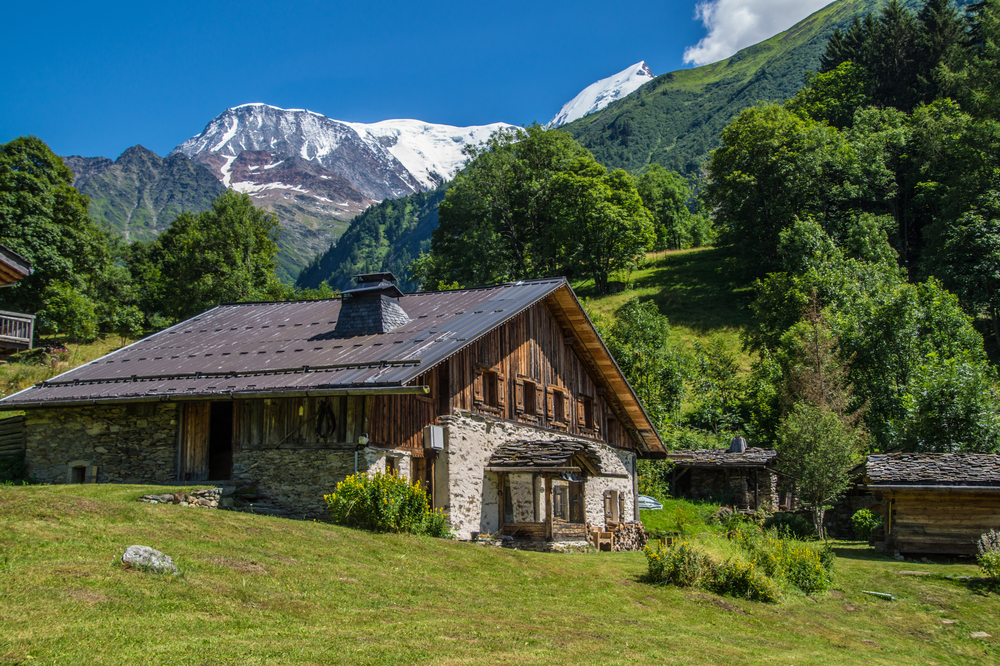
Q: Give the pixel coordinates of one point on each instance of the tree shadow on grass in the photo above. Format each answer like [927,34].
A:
[696,291]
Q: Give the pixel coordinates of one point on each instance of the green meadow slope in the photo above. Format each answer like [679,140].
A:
[263,590]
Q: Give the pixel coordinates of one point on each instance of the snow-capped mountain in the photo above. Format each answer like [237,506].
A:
[383,160]
[598,95]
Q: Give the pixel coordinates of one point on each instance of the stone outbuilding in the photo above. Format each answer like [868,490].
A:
[502,401]
[743,478]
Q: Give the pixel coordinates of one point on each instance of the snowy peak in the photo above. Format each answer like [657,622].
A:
[598,95]
[383,160]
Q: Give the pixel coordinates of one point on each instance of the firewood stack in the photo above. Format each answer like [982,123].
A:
[628,537]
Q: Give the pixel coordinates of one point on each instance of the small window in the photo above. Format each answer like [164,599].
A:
[80,474]
[558,407]
[588,413]
[390,466]
[490,389]
[529,398]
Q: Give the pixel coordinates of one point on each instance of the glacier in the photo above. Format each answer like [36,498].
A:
[598,95]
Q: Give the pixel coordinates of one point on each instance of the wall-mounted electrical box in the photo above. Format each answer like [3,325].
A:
[434,437]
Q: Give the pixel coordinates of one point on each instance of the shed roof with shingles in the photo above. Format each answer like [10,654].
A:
[933,469]
[722,458]
[268,349]
[542,454]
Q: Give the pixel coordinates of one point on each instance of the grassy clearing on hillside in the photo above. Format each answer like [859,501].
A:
[262,590]
[693,290]
[15,377]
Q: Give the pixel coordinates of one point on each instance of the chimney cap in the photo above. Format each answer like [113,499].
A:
[364,278]
[368,283]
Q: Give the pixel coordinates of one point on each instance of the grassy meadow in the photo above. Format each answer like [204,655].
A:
[263,590]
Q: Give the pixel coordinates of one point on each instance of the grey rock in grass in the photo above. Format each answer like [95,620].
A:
[150,559]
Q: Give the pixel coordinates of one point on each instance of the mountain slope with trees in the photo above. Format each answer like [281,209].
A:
[140,193]
[676,119]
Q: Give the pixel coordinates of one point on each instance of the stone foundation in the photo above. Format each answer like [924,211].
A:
[292,482]
[126,444]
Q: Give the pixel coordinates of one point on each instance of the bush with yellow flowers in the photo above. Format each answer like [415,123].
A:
[385,503]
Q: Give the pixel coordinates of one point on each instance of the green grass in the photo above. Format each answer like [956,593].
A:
[260,590]
[15,377]
[694,291]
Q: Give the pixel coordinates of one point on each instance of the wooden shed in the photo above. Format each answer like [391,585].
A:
[934,503]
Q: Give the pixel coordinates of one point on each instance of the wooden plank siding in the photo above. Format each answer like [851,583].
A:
[942,522]
[489,377]
[292,422]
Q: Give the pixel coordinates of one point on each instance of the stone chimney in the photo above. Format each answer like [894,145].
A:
[372,307]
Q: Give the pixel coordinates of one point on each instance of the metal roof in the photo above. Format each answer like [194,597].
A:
[248,350]
[288,346]
[933,469]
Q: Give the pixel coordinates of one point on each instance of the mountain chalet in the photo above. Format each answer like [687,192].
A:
[502,401]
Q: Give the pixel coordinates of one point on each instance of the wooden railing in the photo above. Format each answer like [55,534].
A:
[16,330]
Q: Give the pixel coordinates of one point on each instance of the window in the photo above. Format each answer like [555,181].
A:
[558,406]
[528,397]
[585,412]
[488,389]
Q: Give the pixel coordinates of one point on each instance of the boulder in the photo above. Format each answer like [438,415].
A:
[149,559]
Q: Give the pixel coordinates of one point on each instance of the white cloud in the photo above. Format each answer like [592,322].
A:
[735,24]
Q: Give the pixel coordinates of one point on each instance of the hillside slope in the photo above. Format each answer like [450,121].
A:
[676,119]
[261,590]
[140,193]
[386,237]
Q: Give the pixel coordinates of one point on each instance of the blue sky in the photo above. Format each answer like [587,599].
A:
[93,79]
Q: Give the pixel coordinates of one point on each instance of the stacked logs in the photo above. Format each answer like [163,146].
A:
[628,537]
[11,436]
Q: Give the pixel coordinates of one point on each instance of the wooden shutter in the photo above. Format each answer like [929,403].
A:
[581,414]
[501,390]
[519,396]
[566,406]
[477,389]
[550,403]
[540,400]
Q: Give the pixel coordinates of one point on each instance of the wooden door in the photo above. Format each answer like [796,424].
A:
[194,442]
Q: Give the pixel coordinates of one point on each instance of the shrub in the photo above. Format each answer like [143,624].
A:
[683,565]
[989,555]
[384,503]
[865,522]
[791,525]
[793,561]
[738,578]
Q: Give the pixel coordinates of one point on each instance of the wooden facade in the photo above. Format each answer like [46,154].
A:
[940,521]
[528,370]
[934,503]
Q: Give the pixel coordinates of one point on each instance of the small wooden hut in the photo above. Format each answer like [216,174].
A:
[935,503]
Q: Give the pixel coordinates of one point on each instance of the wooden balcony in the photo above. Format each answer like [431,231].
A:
[16,331]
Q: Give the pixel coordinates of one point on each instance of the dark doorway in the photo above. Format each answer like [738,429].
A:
[220,442]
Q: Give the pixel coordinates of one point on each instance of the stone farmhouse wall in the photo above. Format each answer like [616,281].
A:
[125,445]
